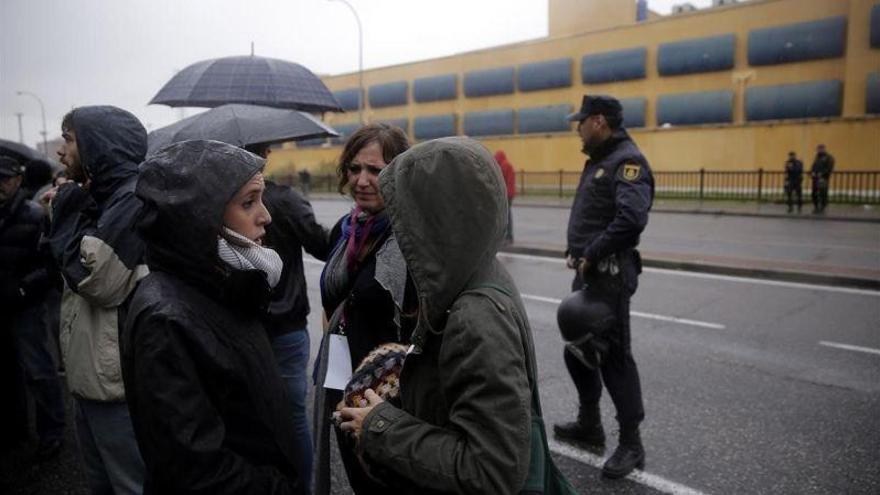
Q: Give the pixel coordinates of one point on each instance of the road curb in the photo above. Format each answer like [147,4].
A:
[692,266]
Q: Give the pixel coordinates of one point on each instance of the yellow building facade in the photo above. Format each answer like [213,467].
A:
[711,72]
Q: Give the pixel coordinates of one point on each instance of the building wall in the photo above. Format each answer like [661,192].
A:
[736,145]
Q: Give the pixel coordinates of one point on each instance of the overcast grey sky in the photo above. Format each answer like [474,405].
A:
[120,52]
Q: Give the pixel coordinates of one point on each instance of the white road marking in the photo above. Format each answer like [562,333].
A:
[712,276]
[758,281]
[849,347]
[683,321]
[313,261]
[650,480]
[649,316]
[532,257]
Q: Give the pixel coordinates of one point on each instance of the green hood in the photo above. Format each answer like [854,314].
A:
[448,207]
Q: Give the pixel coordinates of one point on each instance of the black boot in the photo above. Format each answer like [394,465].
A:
[629,455]
[586,432]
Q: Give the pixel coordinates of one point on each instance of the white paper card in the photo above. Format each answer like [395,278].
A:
[338,363]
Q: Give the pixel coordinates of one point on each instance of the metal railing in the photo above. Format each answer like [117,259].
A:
[757,185]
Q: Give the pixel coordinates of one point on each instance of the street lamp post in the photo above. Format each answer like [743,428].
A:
[361,96]
[43,115]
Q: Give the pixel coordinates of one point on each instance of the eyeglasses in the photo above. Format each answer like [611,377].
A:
[357,168]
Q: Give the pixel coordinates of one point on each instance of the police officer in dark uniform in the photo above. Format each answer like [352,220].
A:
[794,174]
[820,172]
[610,210]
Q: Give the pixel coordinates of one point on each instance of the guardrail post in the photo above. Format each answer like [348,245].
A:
[760,182]
[702,182]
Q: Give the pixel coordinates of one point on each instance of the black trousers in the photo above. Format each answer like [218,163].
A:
[790,193]
[820,194]
[618,372]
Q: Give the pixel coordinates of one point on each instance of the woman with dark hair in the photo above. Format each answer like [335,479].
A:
[209,408]
[362,287]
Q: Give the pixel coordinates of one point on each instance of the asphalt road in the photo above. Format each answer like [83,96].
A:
[750,386]
[741,394]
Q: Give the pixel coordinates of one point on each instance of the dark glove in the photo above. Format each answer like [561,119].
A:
[70,198]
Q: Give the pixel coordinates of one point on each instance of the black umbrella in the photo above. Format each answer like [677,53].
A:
[18,151]
[248,79]
[242,125]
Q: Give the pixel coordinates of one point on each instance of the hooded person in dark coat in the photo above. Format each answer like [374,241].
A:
[464,420]
[211,412]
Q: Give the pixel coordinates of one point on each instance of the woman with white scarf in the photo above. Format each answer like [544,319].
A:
[210,410]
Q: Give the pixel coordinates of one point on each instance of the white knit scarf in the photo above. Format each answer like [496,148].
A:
[245,254]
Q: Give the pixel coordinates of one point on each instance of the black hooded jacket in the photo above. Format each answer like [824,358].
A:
[209,407]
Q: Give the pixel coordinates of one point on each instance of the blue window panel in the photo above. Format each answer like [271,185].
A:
[344,131]
[872,93]
[825,38]
[388,94]
[544,75]
[709,107]
[348,98]
[544,119]
[490,123]
[402,123]
[875,26]
[619,65]
[634,112]
[435,88]
[696,55]
[488,82]
[434,126]
[794,101]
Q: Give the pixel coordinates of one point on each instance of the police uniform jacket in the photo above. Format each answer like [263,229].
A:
[794,172]
[613,199]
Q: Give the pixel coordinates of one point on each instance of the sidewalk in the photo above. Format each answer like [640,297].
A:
[797,272]
[805,270]
[838,212]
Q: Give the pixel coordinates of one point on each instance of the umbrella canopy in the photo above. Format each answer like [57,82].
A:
[241,125]
[18,151]
[248,79]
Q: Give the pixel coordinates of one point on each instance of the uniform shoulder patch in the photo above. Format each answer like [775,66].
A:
[631,171]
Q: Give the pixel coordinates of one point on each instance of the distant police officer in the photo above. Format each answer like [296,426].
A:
[794,174]
[820,172]
[610,210]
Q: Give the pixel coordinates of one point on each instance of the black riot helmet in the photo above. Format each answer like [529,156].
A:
[585,320]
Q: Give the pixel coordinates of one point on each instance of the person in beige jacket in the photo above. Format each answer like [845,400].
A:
[94,243]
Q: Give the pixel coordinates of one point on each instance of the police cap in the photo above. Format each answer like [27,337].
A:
[10,167]
[605,105]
